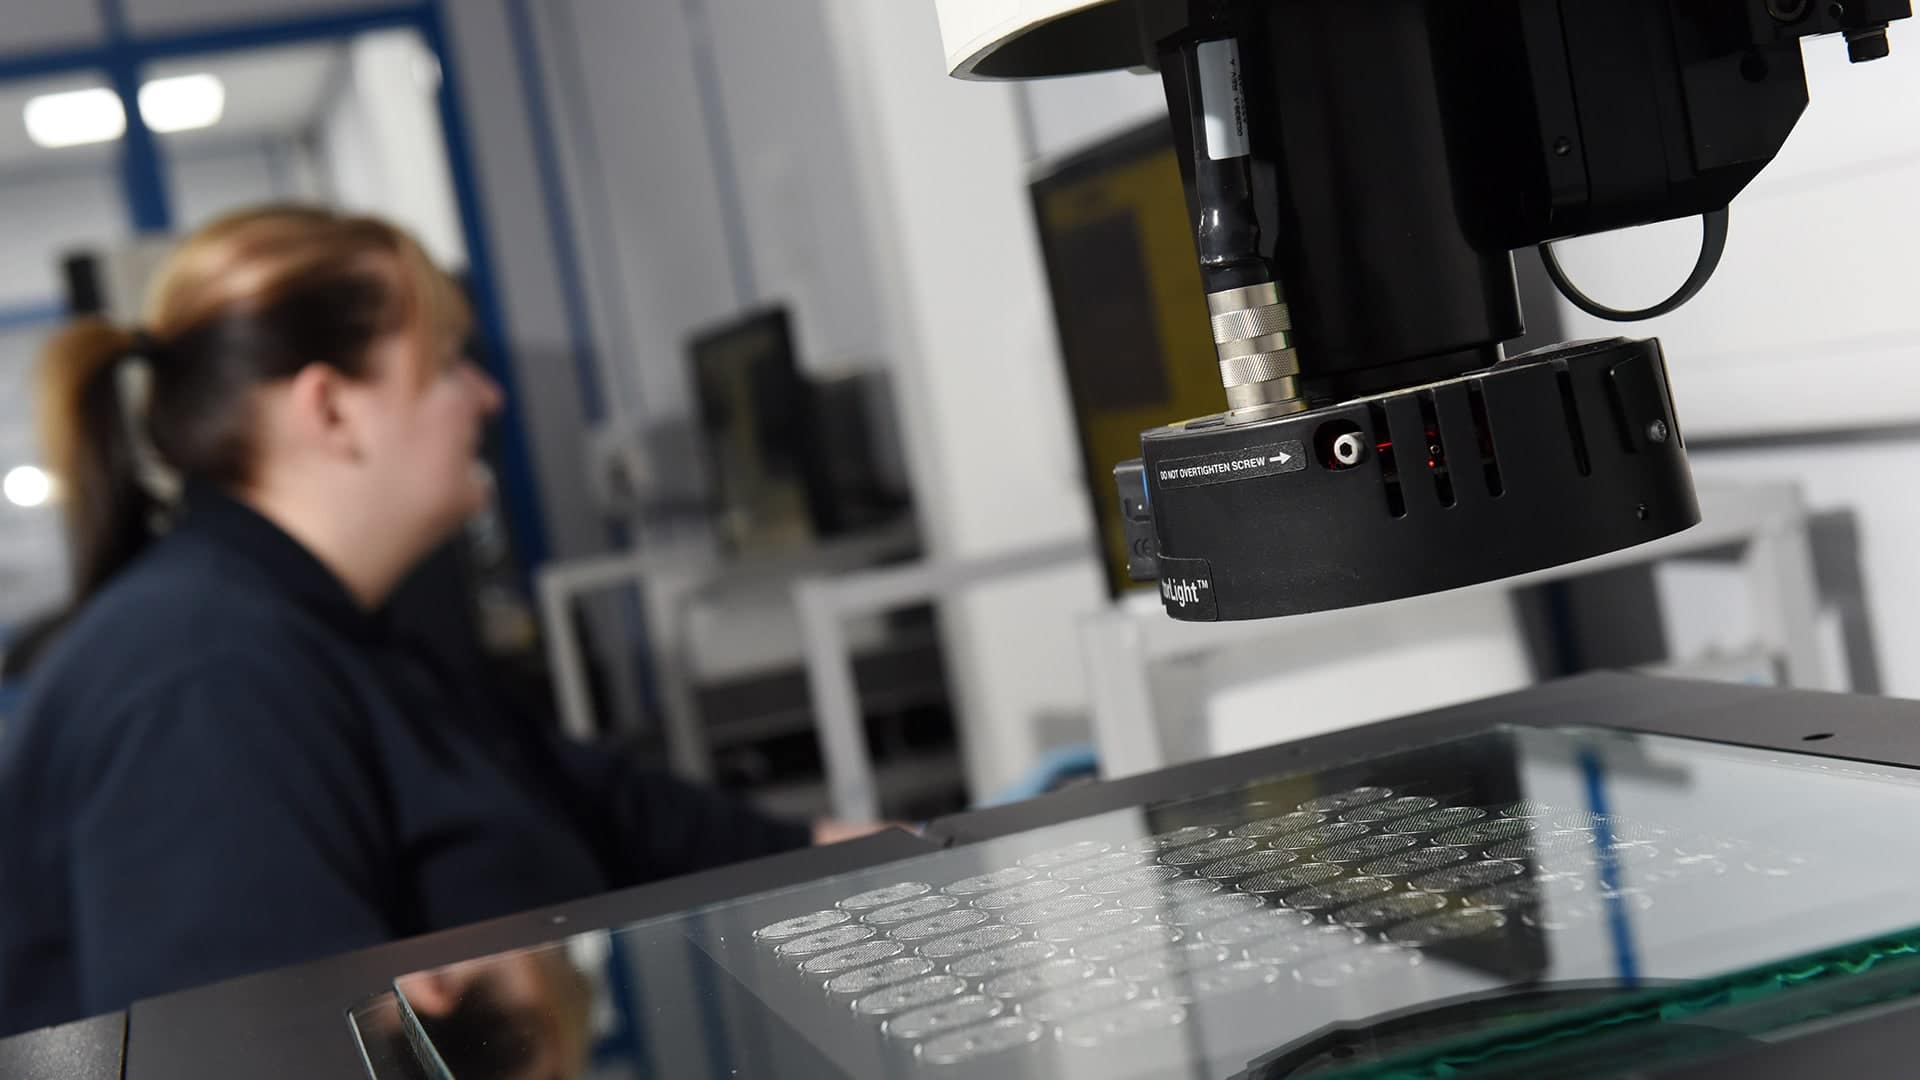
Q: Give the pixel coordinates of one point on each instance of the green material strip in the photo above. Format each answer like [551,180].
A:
[1821,978]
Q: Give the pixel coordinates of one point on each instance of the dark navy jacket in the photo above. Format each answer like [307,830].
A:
[226,765]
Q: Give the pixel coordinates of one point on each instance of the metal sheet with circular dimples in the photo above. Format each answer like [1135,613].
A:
[964,1011]
[991,962]
[1173,892]
[1401,807]
[1414,861]
[1338,894]
[1094,924]
[1432,821]
[881,897]
[853,956]
[1317,941]
[1065,906]
[1091,996]
[1142,938]
[1320,836]
[1387,910]
[1356,965]
[1160,963]
[1765,862]
[872,977]
[1558,845]
[1632,855]
[867,979]
[1054,858]
[992,881]
[1040,978]
[1678,867]
[1507,897]
[1173,838]
[833,937]
[977,939]
[1210,851]
[811,923]
[1714,846]
[933,926]
[1366,848]
[1621,832]
[1243,930]
[1347,800]
[1142,1016]
[900,997]
[1279,882]
[1529,809]
[1484,832]
[985,1040]
[1512,850]
[1237,977]
[1468,876]
[1253,862]
[1586,907]
[1211,910]
[909,910]
[1140,877]
[1029,892]
[1280,824]
[1099,866]
[1446,926]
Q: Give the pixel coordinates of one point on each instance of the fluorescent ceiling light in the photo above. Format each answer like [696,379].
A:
[183,102]
[75,118]
[26,485]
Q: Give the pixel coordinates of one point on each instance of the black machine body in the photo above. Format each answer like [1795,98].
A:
[1542,459]
[1360,172]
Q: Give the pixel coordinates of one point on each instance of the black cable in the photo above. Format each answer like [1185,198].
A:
[1713,243]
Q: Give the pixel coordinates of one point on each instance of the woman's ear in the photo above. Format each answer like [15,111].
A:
[318,413]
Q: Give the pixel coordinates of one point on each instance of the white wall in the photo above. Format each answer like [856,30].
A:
[381,147]
[1068,114]
[629,119]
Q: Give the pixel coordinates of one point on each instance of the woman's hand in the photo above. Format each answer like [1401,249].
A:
[830,831]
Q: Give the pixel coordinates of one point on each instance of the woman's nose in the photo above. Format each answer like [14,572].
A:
[492,398]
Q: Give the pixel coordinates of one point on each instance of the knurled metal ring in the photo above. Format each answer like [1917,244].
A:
[1261,367]
[1251,323]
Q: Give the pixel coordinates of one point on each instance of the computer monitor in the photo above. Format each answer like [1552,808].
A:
[1132,319]
[793,458]
[757,425]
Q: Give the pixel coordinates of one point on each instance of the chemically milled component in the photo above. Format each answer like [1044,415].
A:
[1259,367]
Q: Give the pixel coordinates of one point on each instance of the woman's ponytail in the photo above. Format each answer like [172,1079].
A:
[89,446]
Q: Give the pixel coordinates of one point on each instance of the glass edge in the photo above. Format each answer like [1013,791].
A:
[353,1013]
[417,1038]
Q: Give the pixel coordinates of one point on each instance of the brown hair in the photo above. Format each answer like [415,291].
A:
[248,299]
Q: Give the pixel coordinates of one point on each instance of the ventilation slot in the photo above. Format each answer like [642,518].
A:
[1574,431]
[1483,433]
[1436,450]
[1389,472]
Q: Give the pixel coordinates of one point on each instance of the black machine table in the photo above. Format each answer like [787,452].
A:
[1605,874]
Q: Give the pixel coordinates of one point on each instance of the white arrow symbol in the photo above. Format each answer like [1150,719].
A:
[1285,457]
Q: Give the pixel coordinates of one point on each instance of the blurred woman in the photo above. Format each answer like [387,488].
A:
[228,760]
